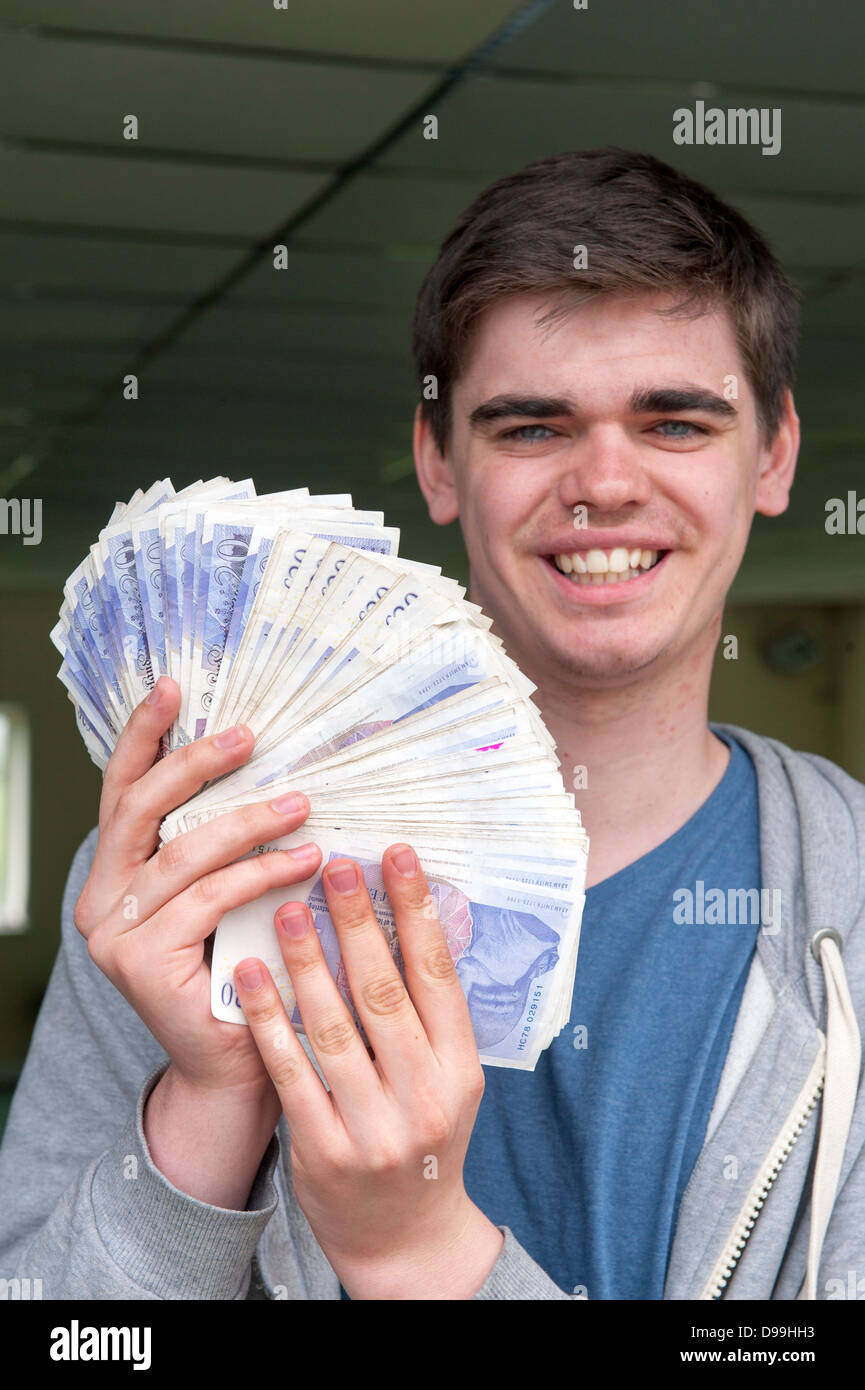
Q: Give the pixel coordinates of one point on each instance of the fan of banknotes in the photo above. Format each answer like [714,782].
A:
[372,685]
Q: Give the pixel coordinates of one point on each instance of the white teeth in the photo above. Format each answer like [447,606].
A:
[615,566]
[618,561]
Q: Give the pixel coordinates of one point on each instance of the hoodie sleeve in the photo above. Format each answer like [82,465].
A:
[85,1211]
[515,1275]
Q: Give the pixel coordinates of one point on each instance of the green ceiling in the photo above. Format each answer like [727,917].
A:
[304,125]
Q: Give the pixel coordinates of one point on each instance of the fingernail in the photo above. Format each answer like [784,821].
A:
[251,976]
[231,738]
[344,879]
[405,860]
[293,919]
[156,694]
[287,805]
[304,854]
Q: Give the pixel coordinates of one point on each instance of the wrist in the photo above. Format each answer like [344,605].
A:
[450,1262]
[258,1098]
[208,1144]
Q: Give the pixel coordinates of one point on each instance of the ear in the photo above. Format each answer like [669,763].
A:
[778,463]
[434,473]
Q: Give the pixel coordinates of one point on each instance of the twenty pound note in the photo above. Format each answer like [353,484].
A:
[513,945]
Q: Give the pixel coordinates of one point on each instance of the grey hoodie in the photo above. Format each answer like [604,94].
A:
[75,1216]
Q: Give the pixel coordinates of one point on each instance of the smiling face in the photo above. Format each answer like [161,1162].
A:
[613,431]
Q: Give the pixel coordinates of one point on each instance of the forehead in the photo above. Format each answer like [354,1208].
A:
[600,348]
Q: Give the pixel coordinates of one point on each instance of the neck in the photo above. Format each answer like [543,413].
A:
[649,756]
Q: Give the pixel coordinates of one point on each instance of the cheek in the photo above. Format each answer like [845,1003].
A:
[494,504]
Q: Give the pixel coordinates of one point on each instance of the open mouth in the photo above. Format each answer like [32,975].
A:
[596,567]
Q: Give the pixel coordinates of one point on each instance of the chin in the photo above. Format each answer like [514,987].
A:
[596,653]
[603,667]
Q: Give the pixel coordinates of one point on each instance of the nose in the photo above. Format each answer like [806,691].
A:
[603,472]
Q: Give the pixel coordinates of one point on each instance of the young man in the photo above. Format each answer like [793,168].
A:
[612,350]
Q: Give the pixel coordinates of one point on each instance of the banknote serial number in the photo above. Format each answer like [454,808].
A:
[530,1018]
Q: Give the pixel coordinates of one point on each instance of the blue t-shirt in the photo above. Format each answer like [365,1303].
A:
[587,1157]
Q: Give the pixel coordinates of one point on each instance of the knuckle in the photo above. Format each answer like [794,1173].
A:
[95,947]
[476,1084]
[387,1156]
[128,957]
[431,1120]
[252,817]
[436,1124]
[206,891]
[188,756]
[172,856]
[259,1009]
[306,962]
[285,1070]
[334,1037]
[384,994]
[437,965]
[356,917]
[83,915]
[340,1162]
[417,897]
[131,804]
[269,865]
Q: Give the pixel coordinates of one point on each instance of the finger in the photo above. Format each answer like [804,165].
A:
[384,1007]
[188,857]
[131,833]
[332,1032]
[306,1104]
[430,974]
[138,745]
[190,917]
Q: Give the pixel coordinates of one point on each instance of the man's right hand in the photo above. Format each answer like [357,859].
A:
[146,912]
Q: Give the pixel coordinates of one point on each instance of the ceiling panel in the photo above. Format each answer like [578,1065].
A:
[382,210]
[70,321]
[493,126]
[91,263]
[288,374]
[55,89]
[320,277]
[791,46]
[840,311]
[808,233]
[388,29]
[130,192]
[324,332]
[305,374]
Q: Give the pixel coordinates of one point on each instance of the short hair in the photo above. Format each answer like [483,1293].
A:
[645,226]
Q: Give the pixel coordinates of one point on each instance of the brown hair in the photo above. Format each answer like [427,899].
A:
[645,227]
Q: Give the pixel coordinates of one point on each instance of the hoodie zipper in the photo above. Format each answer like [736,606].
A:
[766,1177]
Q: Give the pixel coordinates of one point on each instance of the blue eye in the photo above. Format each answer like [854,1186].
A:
[527,433]
[683,428]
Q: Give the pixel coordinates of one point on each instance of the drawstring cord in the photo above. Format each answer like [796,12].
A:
[843,1059]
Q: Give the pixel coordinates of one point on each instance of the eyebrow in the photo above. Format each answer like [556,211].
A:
[499,407]
[655,400]
[644,401]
